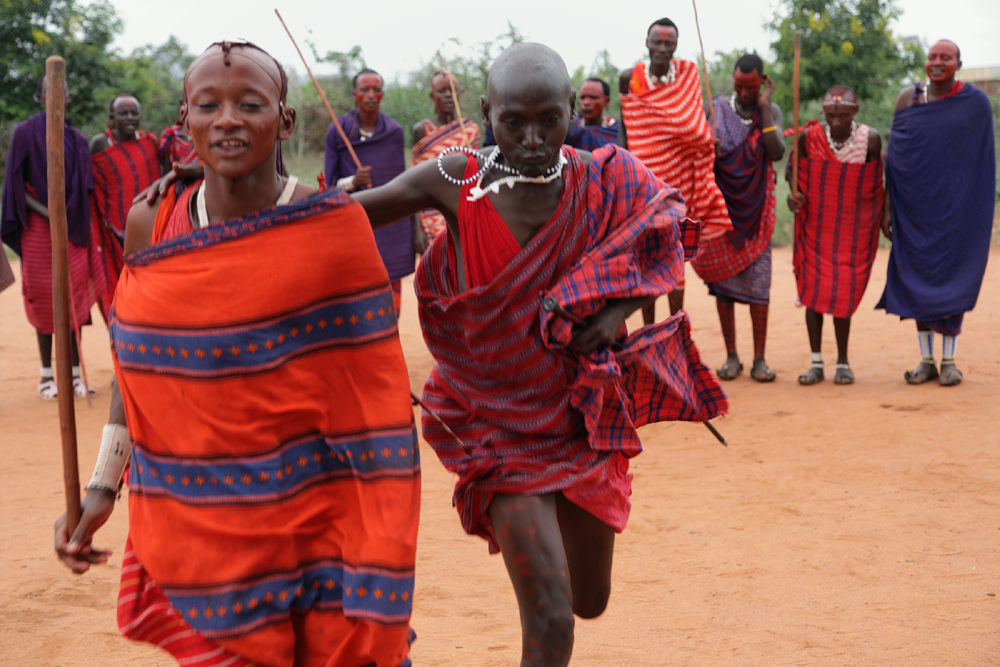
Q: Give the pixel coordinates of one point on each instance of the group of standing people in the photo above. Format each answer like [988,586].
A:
[103,176]
[274,470]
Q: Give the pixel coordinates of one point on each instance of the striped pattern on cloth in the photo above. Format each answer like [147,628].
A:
[121,171]
[668,131]
[837,228]
[6,274]
[746,178]
[535,416]
[437,140]
[274,487]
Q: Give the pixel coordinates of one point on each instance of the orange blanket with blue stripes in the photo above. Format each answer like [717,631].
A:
[274,487]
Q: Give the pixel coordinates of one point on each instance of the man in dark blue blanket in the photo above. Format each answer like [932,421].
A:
[940,177]
[592,129]
[378,142]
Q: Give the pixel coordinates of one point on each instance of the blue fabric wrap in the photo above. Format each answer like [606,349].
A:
[940,176]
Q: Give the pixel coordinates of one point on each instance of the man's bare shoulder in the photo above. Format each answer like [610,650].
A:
[624,80]
[99,142]
[302,191]
[139,225]
[905,98]
[874,144]
[419,130]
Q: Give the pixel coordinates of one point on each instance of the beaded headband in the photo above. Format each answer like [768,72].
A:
[833,100]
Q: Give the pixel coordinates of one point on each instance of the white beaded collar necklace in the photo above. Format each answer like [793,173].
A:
[667,79]
[732,105]
[836,146]
[477,192]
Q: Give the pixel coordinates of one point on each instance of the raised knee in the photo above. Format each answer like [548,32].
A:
[593,603]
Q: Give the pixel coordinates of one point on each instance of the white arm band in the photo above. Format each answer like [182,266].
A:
[112,459]
[346,183]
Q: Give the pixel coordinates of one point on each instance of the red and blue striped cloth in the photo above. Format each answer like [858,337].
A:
[274,488]
[534,416]
[836,228]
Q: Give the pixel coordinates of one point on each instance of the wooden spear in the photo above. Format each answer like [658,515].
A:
[55,126]
[704,67]
[795,114]
[454,96]
[322,95]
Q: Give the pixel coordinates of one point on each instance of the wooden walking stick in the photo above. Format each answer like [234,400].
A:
[322,95]
[55,126]
[704,67]
[454,96]
[795,114]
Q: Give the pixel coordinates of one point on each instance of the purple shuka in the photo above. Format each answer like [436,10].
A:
[383,152]
[27,163]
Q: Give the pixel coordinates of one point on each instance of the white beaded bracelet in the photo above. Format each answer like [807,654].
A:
[112,459]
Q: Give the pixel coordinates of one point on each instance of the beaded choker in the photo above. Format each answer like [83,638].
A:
[666,79]
[477,192]
[732,105]
[838,145]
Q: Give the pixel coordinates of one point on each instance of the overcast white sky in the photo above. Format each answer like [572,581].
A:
[397,36]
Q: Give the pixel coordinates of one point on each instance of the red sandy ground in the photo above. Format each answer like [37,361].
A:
[842,526]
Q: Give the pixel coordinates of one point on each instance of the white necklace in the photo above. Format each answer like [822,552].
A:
[477,192]
[667,79]
[838,145]
[283,198]
[732,105]
[491,163]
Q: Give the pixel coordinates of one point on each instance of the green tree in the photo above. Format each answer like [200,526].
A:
[154,75]
[848,42]
[33,30]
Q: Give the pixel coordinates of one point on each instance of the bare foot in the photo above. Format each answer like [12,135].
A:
[812,376]
[844,375]
[925,372]
[950,375]
[760,372]
[731,369]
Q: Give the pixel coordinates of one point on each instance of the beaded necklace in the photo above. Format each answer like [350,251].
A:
[477,192]
[732,105]
[666,79]
[836,146]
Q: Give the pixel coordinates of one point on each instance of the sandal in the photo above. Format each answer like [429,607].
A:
[760,372]
[82,390]
[844,374]
[925,372]
[950,375]
[813,376]
[48,389]
[730,370]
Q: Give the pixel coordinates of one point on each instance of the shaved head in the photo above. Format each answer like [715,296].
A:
[250,52]
[528,64]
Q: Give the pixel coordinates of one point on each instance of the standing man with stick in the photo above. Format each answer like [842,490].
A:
[377,141]
[431,137]
[737,264]
[664,125]
[25,227]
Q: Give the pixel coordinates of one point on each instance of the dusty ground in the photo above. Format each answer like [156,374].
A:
[842,526]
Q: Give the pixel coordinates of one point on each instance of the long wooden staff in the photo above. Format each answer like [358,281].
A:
[454,96]
[322,95]
[55,125]
[704,67]
[795,114]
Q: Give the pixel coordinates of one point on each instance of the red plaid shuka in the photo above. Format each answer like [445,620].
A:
[836,229]
[436,140]
[535,416]
[121,171]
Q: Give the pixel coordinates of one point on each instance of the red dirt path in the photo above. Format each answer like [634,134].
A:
[843,525]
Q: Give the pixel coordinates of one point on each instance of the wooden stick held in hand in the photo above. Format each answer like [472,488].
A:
[795,114]
[55,127]
[322,95]
[704,67]
[454,96]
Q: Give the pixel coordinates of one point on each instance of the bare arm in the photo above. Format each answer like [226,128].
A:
[413,190]
[36,206]
[624,80]
[795,199]
[98,143]
[874,146]
[774,141]
[418,132]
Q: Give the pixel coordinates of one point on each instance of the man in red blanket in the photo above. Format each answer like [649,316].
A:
[274,485]
[836,223]
[126,162]
[664,125]
[431,137]
[737,264]
[523,304]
